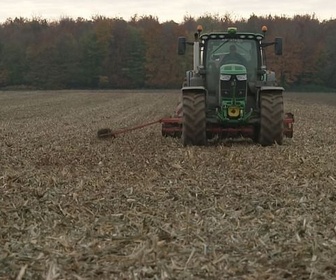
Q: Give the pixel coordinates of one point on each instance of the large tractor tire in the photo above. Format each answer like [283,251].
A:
[271,119]
[194,119]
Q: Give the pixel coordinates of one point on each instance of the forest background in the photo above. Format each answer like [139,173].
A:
[111,53]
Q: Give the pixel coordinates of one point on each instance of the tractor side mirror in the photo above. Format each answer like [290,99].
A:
[182,45]
[278,46]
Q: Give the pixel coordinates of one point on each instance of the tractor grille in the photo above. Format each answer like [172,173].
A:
[232,88]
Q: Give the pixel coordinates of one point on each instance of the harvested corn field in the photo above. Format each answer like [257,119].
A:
[142,206]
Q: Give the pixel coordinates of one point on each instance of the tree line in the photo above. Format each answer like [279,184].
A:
[142,52]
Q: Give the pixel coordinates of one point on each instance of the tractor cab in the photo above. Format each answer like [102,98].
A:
[232,62]
[212,50]
[229,59]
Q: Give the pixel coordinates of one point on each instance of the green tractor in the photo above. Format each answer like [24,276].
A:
[230,93]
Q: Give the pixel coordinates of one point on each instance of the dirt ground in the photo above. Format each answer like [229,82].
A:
[142,206]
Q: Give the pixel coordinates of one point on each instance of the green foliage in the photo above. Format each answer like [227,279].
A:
[136,58]
[141,53]
[327,58]
[13,63]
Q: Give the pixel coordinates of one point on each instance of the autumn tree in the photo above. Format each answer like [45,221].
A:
[142,53]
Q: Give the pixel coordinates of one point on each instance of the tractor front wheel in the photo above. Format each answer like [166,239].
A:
[271,119]
[194,119]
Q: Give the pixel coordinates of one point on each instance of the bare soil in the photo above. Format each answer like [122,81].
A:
[142,206]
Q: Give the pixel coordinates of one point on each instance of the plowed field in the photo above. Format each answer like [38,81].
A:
[142,206]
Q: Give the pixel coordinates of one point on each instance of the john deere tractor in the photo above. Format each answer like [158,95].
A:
[230,93]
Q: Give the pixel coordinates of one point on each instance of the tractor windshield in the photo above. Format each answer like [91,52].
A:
[245,51]
[218,52]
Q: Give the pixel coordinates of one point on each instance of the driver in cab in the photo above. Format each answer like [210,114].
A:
[233,57]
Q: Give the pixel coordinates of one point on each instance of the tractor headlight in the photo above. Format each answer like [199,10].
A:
[242,77]
[225,77]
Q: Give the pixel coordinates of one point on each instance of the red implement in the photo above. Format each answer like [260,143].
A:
[173,127]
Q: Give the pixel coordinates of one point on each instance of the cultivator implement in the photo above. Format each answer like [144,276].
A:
[172,127]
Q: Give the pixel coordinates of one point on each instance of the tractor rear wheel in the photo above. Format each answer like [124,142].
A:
[271,119]
[194,119]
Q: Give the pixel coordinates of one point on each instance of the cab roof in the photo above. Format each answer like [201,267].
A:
[230,35]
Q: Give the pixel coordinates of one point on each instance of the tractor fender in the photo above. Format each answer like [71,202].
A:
[271,89]
[195,89]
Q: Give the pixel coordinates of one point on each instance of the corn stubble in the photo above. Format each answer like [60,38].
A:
[141,206]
